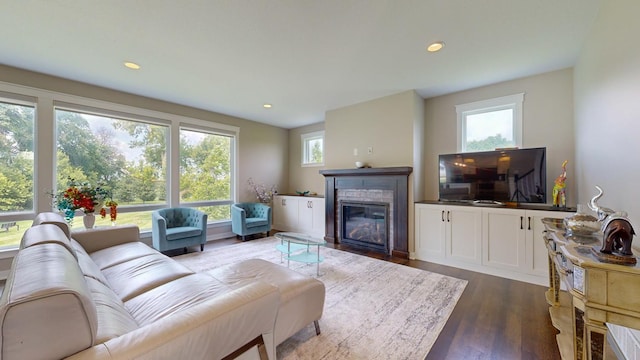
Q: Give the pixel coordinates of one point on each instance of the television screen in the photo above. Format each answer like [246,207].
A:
[514,175]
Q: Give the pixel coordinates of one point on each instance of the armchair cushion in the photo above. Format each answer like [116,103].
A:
[176,233]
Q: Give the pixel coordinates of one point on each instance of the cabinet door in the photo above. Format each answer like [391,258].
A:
[464,234]
[285,213]
[537,253]
[305,215]
[430,232]
[317,205]
[504,239]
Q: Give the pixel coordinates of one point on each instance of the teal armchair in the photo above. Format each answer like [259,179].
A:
[250,218]
[176,228]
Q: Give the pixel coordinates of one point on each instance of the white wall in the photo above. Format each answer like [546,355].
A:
[303,178]
[607,103]
[547,122]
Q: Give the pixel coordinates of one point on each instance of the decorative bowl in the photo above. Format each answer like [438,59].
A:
[302,193]
[581,224]
[359,164]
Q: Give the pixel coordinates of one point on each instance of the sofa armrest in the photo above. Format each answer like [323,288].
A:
[102,238]
[210,330]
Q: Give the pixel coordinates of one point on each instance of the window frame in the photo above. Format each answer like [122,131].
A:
[232,156]
[305,139]
[45,141]
[513,102]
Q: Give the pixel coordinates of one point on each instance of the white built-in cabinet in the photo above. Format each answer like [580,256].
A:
[448,232]
[299,214]
[498,241]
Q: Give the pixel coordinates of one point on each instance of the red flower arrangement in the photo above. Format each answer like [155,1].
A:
[86,197]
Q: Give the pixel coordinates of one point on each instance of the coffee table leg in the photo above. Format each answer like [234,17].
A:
[318,265]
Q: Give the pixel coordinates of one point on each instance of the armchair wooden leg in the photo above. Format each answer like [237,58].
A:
[317,325]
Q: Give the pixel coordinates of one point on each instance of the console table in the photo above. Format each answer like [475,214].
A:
[597,293]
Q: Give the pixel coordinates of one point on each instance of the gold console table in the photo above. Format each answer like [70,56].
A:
[597,293]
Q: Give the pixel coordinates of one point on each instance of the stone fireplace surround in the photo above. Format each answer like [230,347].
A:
[391,183]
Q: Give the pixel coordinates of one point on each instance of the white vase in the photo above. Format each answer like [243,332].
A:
[89,220]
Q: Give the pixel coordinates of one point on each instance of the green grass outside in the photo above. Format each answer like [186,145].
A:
[12,237]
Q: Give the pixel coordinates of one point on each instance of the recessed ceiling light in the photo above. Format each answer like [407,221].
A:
[436,46]
[267,106]
[132,65]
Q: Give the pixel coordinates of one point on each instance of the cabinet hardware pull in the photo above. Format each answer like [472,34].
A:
[442,215]
[284,202]
[529,226]
[309,204]
[448,218]
[521,224]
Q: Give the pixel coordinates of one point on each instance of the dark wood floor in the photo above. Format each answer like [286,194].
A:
[495,318]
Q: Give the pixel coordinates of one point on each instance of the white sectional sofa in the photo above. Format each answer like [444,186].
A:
[103,294]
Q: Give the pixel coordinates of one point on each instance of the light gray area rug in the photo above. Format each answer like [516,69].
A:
[373,309]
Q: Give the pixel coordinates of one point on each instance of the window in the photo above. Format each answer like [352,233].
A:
[126,157]
[145,159]
[206,172]
[17,119]
[313,149]
[490,124]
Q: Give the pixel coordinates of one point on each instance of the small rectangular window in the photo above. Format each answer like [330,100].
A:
[313,149]
[490,124]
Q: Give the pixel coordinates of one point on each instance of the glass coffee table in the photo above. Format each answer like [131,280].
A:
[300,248]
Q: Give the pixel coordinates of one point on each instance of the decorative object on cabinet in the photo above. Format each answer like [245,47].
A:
[264,194]
[302,193]
[581,224]
[560,187]
[602,212]
[616,242]
[617,234]
[359,164]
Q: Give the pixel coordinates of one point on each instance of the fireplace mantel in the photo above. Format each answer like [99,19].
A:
[395,179]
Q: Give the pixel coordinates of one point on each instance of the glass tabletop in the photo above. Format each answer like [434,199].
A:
[298,238]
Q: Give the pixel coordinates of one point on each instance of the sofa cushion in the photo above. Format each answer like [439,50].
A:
[54,219]
[46,310]
[113,318]
[136,276]
[255,222]
[179,233]
[121,253]
[87,265]
[174,297]
[45,234]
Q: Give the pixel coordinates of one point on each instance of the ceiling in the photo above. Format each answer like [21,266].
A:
[303,56]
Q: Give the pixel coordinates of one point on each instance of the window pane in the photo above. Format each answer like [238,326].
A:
[312,149]
[140,218]
[126,157]
[205,166]
[16,158]
[489,130]
[217,212]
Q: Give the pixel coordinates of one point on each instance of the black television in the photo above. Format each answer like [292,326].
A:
[510,175]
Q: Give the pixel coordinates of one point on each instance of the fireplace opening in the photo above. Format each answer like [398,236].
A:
[366,225]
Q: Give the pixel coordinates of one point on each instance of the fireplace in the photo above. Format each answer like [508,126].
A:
[365,225]
[382,188]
